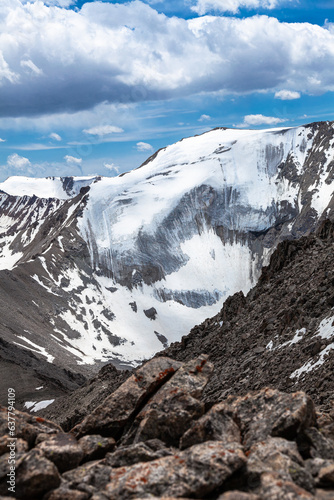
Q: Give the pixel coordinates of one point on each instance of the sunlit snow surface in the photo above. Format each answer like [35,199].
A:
[49,187]
[34,406]
[325,331]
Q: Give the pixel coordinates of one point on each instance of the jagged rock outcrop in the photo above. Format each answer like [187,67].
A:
[263,446]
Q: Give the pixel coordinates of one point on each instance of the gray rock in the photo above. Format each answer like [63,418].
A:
[140,452]
[320,446]
[195,472]
[110,417]
[27,427]
[94,474]
[326,476]
[273,488]
[238,495]
[36,475]
[21,446]
[64,493]
[216,425]
[272,413]
[174,406]
[95,446]
[281,457]
[63,450]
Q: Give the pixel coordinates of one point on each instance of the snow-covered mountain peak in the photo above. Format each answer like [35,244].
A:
[135,261]
[61,188]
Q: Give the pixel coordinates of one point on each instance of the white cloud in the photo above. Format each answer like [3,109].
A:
[2,140]
[261,120]
[130,53]
[112,167]
[204,6]
[204,118]
[103,130]
[144,146]
[17,162]
[31,66]
[287,95]
[72,160]
[55,136]
[55,3]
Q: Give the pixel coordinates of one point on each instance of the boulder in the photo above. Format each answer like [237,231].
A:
[64,493]
[194,472]
[238,495]
[91,474]
[27,427]
[110,418]
[174,406]
[273,488]
[95,446]
[21,446]
[35,476]
[63,450]
[216,425]
[281,457]
[326,476]
[140,452]
[319,445]
[270,412]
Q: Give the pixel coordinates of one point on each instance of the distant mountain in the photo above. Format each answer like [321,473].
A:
[113,269]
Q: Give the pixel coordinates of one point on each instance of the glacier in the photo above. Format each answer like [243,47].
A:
[132,263]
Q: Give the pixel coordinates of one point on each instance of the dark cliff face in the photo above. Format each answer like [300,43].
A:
[282,333]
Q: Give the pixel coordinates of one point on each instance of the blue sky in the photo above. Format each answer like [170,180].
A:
[97,87]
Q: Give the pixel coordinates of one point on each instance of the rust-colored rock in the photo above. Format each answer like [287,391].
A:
[175,406]
[27,427]
[115,412]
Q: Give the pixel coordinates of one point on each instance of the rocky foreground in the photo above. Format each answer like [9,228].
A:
[154,437]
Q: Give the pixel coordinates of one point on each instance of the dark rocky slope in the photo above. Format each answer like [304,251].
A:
[154,438]
[253,341]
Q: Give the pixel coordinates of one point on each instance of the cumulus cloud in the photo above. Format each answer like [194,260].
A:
[204,6]
[55,3]
[130,53]
[112,167]
[144,146]
[17,162]
[204,118]
[103,130]
[54,136]
[261,120]
[287,95]
[72,160]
